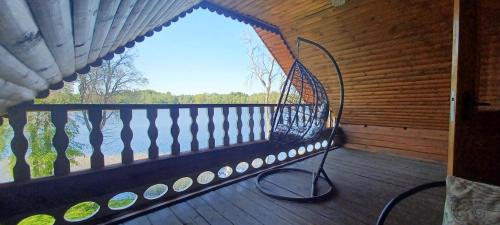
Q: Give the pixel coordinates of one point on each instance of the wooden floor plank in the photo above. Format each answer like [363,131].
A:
[187,215]
[138,221]
[258,212]
[364,183]
[209,213]
[228,210]
[163,216]
[291,216]
[298,208]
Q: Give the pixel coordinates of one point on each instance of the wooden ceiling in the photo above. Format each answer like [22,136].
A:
[395,55]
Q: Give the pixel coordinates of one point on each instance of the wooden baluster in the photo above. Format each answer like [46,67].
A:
[263,110]
[96,138]
[303,114]
[60,141]
[251,136]
[211,128]
[152,114]
[271,120]
[127,135]
[296,114]
[19,145]
[239,125]
[280,117]
[194,129]
[289,119]
[225,125]
[175,130]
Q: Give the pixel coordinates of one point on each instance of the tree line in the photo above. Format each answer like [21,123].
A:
[154,97]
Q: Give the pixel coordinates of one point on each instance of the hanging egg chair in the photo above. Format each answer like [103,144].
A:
[300,117]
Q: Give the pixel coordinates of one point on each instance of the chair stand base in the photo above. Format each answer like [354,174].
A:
[313,195]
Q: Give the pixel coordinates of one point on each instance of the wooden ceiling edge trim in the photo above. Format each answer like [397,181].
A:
[240,17]
[285,44]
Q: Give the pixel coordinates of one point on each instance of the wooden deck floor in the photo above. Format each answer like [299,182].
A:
[364,183]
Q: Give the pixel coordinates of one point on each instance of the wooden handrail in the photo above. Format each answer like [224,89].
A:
[74,107]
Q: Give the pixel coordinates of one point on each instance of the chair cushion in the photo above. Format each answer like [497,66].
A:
[471,203]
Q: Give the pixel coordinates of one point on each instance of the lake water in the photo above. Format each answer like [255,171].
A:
[112,144]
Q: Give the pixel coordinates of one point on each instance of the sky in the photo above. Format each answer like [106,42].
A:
[201,53]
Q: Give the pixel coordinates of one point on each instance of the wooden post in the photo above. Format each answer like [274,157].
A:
[473,133]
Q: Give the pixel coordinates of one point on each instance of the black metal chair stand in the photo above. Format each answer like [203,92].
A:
[391,204]
[301,117]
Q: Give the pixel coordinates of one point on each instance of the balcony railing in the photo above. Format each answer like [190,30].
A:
[108,192]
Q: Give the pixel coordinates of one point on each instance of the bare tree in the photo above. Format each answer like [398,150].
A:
[103,84]
[263,67]
[265,70]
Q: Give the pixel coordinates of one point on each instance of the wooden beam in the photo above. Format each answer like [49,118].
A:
[474,134]
[105,16]
[464,65]
[84,17]
[121,16]
[53,17]
[21,36]
[16,72]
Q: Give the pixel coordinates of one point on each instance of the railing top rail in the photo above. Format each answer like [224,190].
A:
[48,107]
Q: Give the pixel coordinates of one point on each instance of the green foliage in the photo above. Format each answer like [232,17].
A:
[62,96]
[120,203]
[40,219]
[81,211]
[39,132]
[6,135]
[154,97]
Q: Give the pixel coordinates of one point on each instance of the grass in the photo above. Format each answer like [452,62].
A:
[41,219]
[120,203]
[81,211]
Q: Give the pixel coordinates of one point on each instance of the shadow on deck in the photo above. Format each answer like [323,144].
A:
[364,183]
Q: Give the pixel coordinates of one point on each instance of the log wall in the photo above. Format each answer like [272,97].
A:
[395,57]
